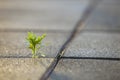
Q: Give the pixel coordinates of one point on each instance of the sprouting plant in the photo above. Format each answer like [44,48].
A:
[35,43]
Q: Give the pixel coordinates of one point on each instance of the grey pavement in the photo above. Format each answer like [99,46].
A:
[106,17]
[23,68]
[57,18]
[94,44]
[41,14]
[99,39]
[73,69]
[14,44]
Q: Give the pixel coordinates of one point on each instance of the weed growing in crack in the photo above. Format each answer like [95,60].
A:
[35,43]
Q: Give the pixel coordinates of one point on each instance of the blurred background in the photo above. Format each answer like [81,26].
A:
[40,14]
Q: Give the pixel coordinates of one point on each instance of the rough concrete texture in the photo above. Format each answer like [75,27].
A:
[95,45]
[23,68]
[100,38]
[41,14]
[106,16]
[14,44]
[86,70]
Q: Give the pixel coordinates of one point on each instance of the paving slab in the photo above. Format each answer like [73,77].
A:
[69,69]
[23,68]
[41,14]
[106,16]
[13,44]
[95,45]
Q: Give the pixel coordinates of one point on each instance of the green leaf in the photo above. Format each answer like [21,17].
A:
[38,40]
[43,36]
[30,46]
[34,42]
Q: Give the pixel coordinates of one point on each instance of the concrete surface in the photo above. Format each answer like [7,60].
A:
[70,69]
[23,68]
[57,18]
[14,44]
[41,14]
[106,17]
[95,45]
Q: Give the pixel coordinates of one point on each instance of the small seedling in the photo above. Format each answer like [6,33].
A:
[35,43]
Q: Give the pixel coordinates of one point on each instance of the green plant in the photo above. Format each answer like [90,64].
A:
[35,43]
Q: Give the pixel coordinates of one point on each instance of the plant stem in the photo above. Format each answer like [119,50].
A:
[34,52]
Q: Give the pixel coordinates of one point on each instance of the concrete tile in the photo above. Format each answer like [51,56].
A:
[23,68]
[95,45]
[86,70]
[14,44]
[41,14]
[106,16]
